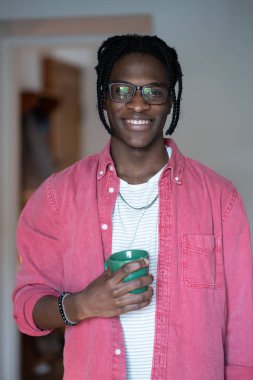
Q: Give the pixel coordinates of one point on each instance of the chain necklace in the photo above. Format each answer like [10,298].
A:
[138,208]
[143,209]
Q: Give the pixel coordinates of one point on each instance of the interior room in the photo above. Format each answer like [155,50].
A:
[48,114]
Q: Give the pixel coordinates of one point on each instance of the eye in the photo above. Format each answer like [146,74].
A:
[153,91]
[122,92]
[155,94]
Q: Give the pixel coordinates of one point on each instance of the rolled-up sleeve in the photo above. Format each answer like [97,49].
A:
[239,287]
[41,268]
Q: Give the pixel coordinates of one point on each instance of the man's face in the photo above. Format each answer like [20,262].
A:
[138,124]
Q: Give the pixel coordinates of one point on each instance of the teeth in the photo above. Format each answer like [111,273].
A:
[138,121]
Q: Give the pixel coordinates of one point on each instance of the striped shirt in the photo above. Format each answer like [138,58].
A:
[138,229]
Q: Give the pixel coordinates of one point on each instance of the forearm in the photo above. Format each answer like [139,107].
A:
[107,296]
[46,314]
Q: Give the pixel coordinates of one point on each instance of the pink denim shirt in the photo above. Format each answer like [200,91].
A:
[204,316]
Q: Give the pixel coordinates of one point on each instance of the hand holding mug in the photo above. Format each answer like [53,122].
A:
[119,259]
[117,292]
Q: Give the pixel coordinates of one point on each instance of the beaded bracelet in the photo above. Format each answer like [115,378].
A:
[62,310]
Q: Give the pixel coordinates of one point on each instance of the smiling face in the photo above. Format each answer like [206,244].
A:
[137,124]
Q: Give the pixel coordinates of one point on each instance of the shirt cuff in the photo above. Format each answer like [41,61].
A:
[26,324]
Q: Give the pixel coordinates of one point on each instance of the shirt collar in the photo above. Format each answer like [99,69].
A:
[175,163]
[105,161]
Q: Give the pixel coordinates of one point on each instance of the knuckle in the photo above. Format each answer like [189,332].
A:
[131,267]
[124,310]
[118,303]
[150,291]
[151,278]
[109,286]
[132,307]
[136,306]
[115,293]
[125,268]
[139,282]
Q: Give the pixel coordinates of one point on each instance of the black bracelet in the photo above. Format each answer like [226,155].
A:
[62,310]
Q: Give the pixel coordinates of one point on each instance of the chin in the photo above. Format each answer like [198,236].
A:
[137,140]
[138,143]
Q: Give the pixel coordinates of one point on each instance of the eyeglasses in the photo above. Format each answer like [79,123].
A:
[124,93]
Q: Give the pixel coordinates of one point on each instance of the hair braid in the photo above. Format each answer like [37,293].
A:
[176,103]
[115,47]
[175,77]
[173,117]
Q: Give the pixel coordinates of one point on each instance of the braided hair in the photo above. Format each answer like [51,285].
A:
[115,47]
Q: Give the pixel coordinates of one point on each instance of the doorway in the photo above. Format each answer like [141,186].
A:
[18,35]
[50,136]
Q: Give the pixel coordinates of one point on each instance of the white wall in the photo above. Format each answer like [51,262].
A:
[9,189]
[213,40]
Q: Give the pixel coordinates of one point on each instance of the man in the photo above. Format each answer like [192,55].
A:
[195,321]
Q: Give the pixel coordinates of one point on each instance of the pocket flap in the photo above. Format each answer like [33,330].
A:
[204,243]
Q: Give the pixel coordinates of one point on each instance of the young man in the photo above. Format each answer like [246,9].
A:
[195,321]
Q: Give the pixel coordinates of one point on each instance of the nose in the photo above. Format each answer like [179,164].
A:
[138,104]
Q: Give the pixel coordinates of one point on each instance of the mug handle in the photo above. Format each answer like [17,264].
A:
[106,265]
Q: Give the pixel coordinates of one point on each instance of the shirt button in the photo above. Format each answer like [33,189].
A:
[118,351]
[101,172]
[111,190]
[111,168]
[176,178]
[104,226]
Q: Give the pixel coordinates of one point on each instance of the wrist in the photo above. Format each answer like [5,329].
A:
[76,308]
[65,305]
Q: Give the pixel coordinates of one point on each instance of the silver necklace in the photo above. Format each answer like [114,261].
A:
[138,208]
[143,209]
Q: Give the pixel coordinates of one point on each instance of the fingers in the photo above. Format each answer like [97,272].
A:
[109,296]
[104,298]
[125,287]
[132,302]
[133,266]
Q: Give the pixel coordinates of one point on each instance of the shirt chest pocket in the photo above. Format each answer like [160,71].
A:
[202,261]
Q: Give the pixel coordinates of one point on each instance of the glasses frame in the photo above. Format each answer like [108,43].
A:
[137,88]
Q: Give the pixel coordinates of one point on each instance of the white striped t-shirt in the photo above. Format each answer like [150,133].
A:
[138,229]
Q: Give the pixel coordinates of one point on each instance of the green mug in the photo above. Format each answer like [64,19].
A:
[118,259]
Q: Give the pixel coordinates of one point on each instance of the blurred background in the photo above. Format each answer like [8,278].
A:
[48,115]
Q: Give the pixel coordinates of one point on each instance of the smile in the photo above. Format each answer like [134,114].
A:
[138,122]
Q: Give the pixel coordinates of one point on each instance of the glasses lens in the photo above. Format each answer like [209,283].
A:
[121,92]
[155,94]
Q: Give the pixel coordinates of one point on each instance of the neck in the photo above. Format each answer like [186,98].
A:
[137,166]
